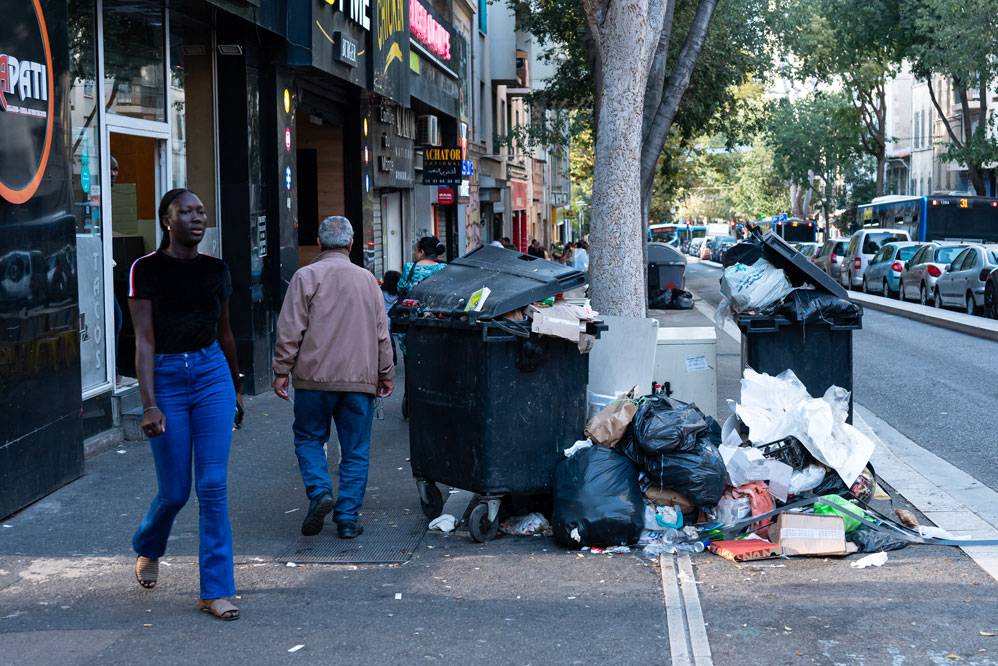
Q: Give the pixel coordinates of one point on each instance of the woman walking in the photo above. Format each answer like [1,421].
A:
[189,383]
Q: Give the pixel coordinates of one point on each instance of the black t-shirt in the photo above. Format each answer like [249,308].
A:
[186,297]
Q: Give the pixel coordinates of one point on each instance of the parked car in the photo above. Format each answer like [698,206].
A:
[883,275]
[991,295]
[726,244]
[809,250]
[695,246]
[918,279]
[962,285]
[831,255]
[705,247]
[862,246]
[716,245]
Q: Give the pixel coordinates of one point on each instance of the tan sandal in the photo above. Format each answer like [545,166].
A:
[146,572]
[223,609]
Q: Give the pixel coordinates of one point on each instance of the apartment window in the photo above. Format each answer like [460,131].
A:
[914,131]
[928,186]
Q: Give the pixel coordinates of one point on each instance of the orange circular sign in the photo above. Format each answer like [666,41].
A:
[27,102]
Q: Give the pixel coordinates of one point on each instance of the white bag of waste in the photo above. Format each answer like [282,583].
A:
[754,287]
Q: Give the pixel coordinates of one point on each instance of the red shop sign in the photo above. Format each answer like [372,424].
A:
[445,196]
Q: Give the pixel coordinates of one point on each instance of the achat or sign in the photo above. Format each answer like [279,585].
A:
[27,109]
[442,166]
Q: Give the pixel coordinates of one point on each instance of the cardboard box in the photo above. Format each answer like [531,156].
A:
[809,534]
[745,550]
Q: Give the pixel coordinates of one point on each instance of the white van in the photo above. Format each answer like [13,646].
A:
[862,246]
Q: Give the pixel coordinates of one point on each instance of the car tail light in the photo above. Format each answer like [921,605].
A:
[933,271]
[897,266]
[858,264]
[984,274]
[835,258]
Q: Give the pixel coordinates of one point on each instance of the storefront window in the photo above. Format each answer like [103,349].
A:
[193,134]
[95,324]
[134,48]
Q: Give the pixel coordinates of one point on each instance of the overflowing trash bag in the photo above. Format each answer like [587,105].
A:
[756,287]
[747,252]
[696,471]
[671,299]
[664,425]
[597,501]
[808,306]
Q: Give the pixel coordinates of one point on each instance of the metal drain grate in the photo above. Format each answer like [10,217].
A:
[389,537]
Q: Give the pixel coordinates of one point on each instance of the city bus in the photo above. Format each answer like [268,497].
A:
[675,233]
[935,218]
[792,230]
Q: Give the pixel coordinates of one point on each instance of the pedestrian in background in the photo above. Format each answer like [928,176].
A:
[535,249]
[425,264]
[191,393]
[390,292]
[332,339]
[580,256]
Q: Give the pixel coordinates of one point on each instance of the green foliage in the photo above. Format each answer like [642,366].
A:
[759,191]
[814,137]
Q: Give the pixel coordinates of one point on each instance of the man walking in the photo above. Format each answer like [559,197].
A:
[332,338]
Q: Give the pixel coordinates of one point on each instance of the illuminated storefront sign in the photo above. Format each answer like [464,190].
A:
[26,102]
[428,30]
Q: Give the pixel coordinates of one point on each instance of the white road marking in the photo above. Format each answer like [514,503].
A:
[688,642]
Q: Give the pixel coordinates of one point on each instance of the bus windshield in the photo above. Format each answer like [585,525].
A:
[801,232]
[950,223]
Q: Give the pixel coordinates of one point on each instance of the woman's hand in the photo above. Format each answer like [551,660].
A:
[153,422]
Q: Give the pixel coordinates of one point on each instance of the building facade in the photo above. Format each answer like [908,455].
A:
[276,114]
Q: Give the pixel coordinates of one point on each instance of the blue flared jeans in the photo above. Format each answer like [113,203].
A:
[195,393]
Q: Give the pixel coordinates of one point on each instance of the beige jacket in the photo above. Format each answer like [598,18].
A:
[332,334]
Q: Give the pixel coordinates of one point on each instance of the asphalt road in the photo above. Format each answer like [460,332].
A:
[933,385]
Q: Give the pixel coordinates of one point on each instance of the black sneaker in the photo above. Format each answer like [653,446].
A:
[349,530]
[318,509]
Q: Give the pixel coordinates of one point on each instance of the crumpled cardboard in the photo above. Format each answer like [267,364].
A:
[561,320]
[668,497]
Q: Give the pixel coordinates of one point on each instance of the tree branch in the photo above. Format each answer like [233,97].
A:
[679,81]
[939,110]
[656,74]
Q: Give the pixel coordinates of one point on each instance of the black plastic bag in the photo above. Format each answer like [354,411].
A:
[664,425]
[699,475]
[747,252]
[671,299]
[808,306]
[869,540]
[597,499]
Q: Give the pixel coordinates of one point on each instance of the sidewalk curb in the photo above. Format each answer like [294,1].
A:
[954,321]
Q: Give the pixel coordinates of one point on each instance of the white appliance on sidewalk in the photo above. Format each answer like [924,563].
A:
[686,364]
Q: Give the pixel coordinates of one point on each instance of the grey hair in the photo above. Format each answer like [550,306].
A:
[335,233]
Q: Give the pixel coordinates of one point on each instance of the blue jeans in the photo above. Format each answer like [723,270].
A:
[195,392]
[352,413]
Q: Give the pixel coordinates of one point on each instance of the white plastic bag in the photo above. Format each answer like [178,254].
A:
[754,287]
[806,479]
[776,407]
[528,525]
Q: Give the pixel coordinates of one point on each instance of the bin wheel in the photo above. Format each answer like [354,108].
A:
[435,506]
[482,529]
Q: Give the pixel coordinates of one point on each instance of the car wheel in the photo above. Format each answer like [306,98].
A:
[937,300]
[990,303]
[887,289]
[971,307]
[866,289]
[923,296]
[900,293]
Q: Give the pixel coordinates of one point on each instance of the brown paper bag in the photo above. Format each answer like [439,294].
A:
[608,426]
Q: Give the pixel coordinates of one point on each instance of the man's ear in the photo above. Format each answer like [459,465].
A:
[318,242]
[350,249]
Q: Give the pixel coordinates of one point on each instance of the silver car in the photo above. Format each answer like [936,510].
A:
[862,246]
[918,280]
[831,255]
[962,285]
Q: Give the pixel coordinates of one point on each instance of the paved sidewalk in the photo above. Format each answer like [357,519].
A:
[68,593]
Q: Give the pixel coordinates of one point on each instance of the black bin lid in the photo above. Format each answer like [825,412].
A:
[665,255]
[515,280]
[798,268]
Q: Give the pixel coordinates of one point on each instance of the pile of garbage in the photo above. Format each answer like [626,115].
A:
[787,475]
